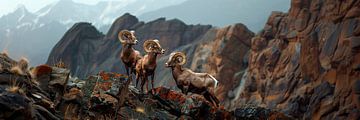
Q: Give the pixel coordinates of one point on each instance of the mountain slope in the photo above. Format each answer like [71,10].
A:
[306,62]
[21,30]
[20,34]
[252,13]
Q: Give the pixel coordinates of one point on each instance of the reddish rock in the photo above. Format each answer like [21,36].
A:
[314,74]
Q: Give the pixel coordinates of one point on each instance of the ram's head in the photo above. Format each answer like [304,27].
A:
[127,37]
[176,58]
[153,46]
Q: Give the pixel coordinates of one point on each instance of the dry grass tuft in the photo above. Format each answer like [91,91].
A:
[5,53]
[21,67]
[17,70]
[23,63]
[140,109]
[15,88]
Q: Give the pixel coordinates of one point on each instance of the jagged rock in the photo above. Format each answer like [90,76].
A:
[311,75]
[110,97]
[209,49]
[258,113]
[14,106]
[21,98]
[304,63]
[52,80]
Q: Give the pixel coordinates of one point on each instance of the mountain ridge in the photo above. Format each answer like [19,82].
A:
[44,27]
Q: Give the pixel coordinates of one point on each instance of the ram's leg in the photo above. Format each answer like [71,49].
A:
[213,97]
[212,92]
[152,82]
[185,90]
[142,84]
[137,80]
[133,71]
[127,70]
[207,96]
[215,100]
[147,84]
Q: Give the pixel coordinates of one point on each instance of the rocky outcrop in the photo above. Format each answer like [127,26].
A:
[306,62]
[86,51]
[31,94]
[113,98]
[47,92]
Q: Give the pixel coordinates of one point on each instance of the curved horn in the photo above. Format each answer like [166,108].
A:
[148,44]
[182,56]
[122,34]
[156,41]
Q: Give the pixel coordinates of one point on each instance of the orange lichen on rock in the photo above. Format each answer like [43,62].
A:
[41,70]
[104,76]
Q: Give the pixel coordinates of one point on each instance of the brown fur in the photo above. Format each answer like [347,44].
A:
[189,81]
[128,55]
[147,65]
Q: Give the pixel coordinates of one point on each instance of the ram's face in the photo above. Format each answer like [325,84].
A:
[157,49]
[132,38]
[171,61]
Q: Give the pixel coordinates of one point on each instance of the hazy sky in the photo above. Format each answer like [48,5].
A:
[7,6]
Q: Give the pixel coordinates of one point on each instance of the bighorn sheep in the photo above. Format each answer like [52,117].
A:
[147,65]
[129,55]
[189,81]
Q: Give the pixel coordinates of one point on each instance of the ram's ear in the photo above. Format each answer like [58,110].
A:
[132,31]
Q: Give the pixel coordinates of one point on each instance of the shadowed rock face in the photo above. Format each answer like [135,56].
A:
[306,62]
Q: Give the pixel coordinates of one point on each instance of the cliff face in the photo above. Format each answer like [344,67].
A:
[219,51]
[306,62]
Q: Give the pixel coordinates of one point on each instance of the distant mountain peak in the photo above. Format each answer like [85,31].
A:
[127,16]
[21,9]
[125,21]
[67,1]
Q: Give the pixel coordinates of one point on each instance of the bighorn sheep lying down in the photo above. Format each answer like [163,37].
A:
[189,81]
[129,55]
[146,66]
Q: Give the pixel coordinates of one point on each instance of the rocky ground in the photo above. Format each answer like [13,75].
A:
[48,92]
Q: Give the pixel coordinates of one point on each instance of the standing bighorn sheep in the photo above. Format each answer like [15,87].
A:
[146,66]
[189,81]
[129,55]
